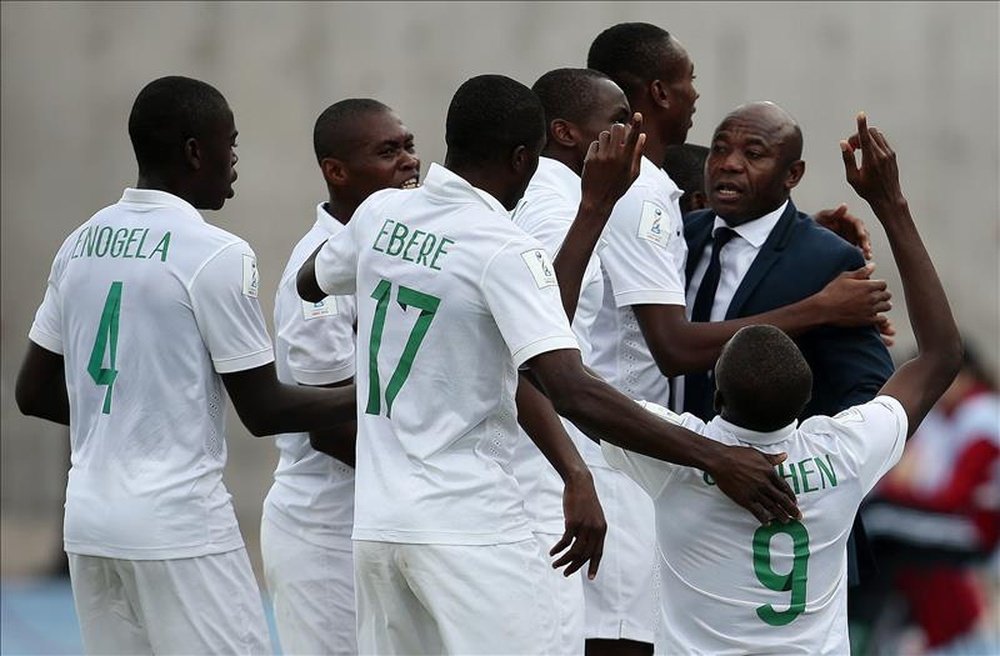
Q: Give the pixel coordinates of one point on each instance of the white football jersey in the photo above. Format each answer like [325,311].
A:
[313,493]
[452,299]
[643,263]
[546,213]
[148,304]
[732,586]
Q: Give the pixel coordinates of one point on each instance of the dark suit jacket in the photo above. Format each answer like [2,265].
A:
[798,259]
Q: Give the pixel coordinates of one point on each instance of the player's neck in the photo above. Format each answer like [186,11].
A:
[160,182]
[568,157]
[482,178]
[339,209]
[657,143]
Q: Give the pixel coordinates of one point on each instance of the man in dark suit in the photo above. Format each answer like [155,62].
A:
[753,251]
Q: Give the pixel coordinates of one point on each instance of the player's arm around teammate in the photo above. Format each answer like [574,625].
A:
[745,475]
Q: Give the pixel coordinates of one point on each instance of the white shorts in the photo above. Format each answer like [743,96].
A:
[204,605]
[451,599]
[568,595]
[623,602]
[312,589]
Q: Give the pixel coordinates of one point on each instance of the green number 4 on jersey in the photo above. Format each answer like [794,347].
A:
[106,343]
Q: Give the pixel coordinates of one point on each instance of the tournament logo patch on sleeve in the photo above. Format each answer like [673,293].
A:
[325,308]
[250,278]
[654,224]
[538,263]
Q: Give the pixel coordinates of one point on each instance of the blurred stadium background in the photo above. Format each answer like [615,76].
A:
[926,72]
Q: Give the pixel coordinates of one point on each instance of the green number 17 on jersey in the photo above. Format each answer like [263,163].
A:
[406,298]
[106,343]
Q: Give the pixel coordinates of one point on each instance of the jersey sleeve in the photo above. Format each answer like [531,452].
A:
[337,261]
[652,475]
[645,252]
[46,329]
[521,292]
[320,338]
[874,437]
[224,300]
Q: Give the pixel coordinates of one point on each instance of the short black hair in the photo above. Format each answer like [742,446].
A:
[334,129]
[763,378]
[169,111]
[631,54]
[489,116]
[685,164]
[568,93]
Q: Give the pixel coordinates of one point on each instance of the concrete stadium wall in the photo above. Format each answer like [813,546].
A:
[925,72]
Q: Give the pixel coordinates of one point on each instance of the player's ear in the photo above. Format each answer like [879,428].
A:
[659,93]
[192,154]
[563,133]
[334,171]
[718,402]
[519,158]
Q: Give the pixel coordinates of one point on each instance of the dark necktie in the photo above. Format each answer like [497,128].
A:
[702,309]
[699,388]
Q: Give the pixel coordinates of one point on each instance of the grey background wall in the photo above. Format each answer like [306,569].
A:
[926,72]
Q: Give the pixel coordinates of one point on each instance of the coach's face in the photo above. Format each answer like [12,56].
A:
[215,157]
[750,170]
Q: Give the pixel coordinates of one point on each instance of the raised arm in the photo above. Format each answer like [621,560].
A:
[919,383]
[745,475]
[610,168]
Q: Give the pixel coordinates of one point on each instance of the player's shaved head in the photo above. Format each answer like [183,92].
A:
[490,116]
[778,125]
[336,131]
[169,111]
[569,93]
[634,54]
[762,378]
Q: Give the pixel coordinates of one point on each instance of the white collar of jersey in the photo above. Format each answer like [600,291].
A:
[647,167]
[443,183]
[157,197]
[752,436]
[327,221]
[555,173]
[757,231]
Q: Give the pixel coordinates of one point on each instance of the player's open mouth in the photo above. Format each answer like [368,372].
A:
[412,183]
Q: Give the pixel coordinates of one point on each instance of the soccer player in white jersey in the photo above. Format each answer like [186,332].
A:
[148,312]
[453,299]
[642,335]
[361,147]
[579,104]
[732,587]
